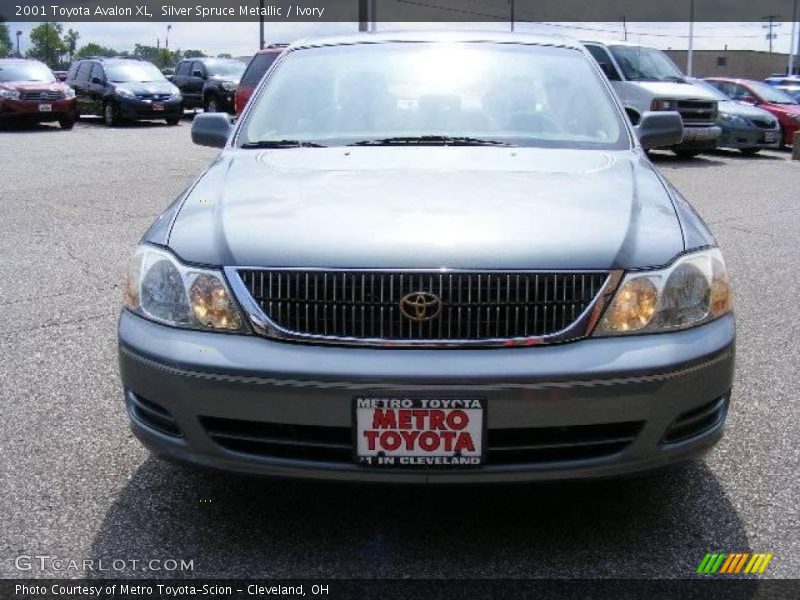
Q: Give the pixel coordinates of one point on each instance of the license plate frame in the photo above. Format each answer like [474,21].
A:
[45,108]
[770,137]
[158,106]
[471,447]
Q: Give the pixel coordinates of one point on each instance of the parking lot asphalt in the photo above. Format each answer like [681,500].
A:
[76,484]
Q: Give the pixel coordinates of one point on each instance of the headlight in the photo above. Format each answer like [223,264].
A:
[124,92]
[9,94]
[160,288]
[69,92]
[661,104]
[693,290]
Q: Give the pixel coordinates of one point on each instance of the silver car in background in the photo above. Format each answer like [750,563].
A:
[435,257]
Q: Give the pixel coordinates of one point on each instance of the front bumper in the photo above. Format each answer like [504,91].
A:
[699,137]
[292,403]
[749,137]
[134,108]
[32,109]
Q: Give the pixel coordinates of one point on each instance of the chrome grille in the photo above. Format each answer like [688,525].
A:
[154,97]
[474,306]
[698,112]
[41,95]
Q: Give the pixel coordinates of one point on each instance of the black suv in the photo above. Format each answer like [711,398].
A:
[208,83]
[124,89]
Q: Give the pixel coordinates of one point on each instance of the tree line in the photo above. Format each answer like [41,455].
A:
[57,48]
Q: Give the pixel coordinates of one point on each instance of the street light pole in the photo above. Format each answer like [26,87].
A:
[792,47]
[19,33]
[261,25]
[690,55]
[166,40]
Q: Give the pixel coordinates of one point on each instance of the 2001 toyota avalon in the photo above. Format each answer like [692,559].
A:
[430,257]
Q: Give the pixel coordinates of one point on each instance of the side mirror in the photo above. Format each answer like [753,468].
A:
[659,129]
[211,129]
[197,73]
[97,81]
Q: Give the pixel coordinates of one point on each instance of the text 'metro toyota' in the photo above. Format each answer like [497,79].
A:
[431,257]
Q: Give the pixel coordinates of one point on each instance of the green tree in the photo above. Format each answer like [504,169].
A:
[160,57]
[6,47]
[193,54]
[46,43]
[70,42]
[92,49]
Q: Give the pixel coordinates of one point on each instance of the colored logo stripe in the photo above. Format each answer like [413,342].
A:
[724,563]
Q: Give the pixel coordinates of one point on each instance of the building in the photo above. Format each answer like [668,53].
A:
[742,64]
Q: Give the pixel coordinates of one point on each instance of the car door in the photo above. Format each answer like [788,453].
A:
[181,78]
[197,80]
[81,86]
[97,88]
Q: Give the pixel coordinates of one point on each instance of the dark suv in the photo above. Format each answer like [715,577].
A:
[208,83]
[259,65]
[124,89]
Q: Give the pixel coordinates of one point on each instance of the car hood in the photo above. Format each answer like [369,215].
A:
[225,79]
[388,207]
[740,109]
[150,87]
[674,89]
[22,86]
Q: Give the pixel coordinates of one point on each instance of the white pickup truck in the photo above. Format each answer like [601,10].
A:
[645,79]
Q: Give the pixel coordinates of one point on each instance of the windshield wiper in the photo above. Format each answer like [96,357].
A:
[281,144]
[437,140]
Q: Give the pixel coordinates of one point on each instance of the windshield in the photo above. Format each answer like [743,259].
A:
[26,71]
[714,91]
[772,94]
[133,71]
[225,68]
[436,93]
[639,63]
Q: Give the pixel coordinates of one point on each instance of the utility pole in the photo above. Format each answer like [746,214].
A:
[690,53]
[792,47]
[624,28]
[261,25]
[769,27]
[19,33]
[513,15]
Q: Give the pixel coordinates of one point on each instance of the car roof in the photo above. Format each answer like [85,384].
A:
[14,59]
[618,43]
[438,36]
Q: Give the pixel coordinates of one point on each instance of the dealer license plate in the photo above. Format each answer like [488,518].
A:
[45,108]
[158,106]
[419,432]
[770,136]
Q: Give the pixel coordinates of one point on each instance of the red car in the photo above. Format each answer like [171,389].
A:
[259,65]
[785,108]
[29,91]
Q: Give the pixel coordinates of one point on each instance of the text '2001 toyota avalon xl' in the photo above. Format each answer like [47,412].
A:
[429,257]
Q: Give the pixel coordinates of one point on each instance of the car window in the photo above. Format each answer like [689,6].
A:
[26,71]
[97,71]
[771,94]
[198,66]
[73,70]
[602,56]
[640,63]
[259,65]
[83,72]
[121,72]
[224,67]
[183,68]
[513,93]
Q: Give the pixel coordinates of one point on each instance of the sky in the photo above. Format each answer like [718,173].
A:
[241,38]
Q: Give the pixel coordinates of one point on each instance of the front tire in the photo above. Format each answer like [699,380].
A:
[67,122]
[686,153]
[110,114]
[172,121]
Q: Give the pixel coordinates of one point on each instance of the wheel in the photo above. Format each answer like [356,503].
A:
[686,153]
[67,122]
[211,104]
[110,114]
[749,151]
[171,121]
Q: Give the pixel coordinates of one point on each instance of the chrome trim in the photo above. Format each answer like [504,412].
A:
[264,326]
